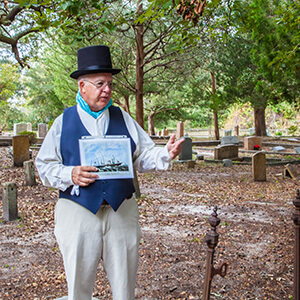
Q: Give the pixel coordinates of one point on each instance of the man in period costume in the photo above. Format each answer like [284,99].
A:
[97,219]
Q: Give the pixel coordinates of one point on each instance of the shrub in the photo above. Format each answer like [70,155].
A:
[31,135]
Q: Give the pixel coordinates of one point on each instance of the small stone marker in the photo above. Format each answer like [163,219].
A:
[291,171]
[165,132]
[20,145]
[29,173]
[227,140]
[228,132]
[226,151]
[297,150]
[259,171]
[250,142]
[278,148]
[186,149]
[227,162]
[42,130]
[9,199]
[180,130]
[237,130]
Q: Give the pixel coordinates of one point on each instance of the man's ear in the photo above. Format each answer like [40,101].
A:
[81,86]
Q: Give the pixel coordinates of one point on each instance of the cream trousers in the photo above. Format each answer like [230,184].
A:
[85,238]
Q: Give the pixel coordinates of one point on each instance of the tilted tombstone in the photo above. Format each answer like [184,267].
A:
[250,142]
[180,130]
[20,144]
[186,149]
[259,166]
[226,151]
[229,140]
[9,200]
[42,130]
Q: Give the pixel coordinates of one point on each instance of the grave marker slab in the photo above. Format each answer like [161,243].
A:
[180,130]
[228,132]
[297,150]
[19,127]
[29,173]
[186,149]
[227,140]
[291,171]
[259,166]
[278,148]
[250,142]
[227,162]
[42,130]
[9,199]
[226,151]
[20,144]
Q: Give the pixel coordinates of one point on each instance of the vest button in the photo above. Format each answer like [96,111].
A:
[104,193]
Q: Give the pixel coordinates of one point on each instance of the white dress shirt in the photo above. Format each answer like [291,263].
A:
[49,163]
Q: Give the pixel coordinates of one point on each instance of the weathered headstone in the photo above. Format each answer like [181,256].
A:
[29,127]
[228,140]
[165,132]
[226,151]
[259,171]
[19,127]
[297,150]
[227,162]
[9,200]
[20,145]
[237,130]
[42,130]
[291,171]
[250,142]
[29,173]
[186,149]
[180,130]
[228,132]
[136,185]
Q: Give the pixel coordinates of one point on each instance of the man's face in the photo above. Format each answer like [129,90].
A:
[96,89]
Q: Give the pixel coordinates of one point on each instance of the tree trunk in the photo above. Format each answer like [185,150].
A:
[151,129]
[216,122]
[260,121]
[126,104]
[139,83]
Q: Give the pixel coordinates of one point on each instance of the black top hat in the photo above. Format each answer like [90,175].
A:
[94,59]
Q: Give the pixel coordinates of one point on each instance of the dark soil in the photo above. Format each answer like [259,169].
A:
[256,235]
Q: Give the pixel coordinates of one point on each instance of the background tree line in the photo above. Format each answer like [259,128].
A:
[179,60]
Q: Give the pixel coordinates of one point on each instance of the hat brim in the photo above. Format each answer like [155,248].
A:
[79,73]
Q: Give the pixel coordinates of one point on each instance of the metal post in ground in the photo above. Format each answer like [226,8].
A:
[296,219]
[212,238]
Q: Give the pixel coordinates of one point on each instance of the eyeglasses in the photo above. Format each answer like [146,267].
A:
[100,85]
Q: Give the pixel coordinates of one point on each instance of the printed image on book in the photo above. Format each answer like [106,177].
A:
[111,155]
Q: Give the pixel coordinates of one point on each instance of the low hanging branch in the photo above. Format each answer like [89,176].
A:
[191,10]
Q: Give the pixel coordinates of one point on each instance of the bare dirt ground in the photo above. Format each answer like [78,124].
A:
[256,236]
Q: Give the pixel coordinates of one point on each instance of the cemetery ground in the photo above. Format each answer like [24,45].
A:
[256,235]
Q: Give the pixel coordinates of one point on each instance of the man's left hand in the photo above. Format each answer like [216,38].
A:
[174,147]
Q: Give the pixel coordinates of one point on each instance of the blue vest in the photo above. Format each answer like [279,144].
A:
[114,191]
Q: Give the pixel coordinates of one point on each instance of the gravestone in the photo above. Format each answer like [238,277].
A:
[29,127]
[191,164]
[29,173]
[278,148]
[165,132]
[180,130]
[259,172]
[228,132]
[186,149]
[237,130]
[20,144]
[291,171]
[19,127]
[9,200]
[250,142]
[136,185]
[226,151]
[228,140]
[297,150]
[42,130]
[227,162]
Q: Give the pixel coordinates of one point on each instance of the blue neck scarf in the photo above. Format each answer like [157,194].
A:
[85,106]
